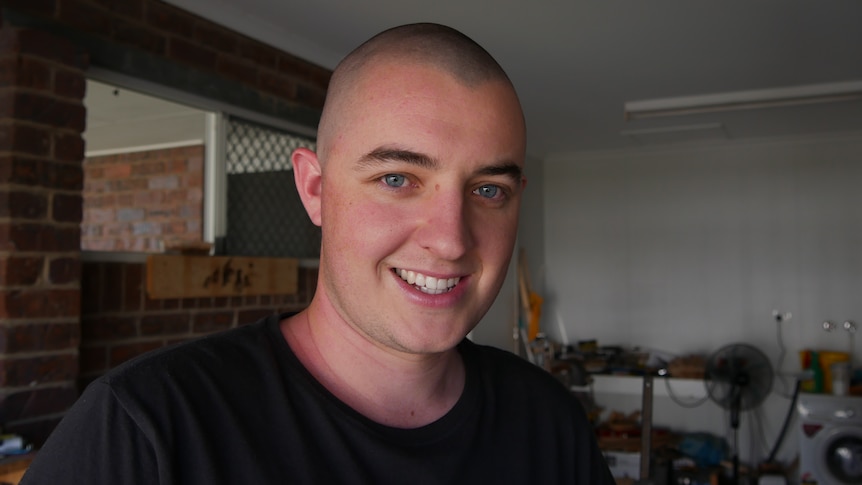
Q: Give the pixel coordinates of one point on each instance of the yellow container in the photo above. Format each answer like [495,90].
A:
[826,358]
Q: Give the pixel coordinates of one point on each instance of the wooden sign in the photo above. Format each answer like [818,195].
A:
[182,276]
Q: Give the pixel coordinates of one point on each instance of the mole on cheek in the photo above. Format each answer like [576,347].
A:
[437,187]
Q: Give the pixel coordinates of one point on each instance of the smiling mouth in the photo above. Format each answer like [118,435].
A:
[427,284]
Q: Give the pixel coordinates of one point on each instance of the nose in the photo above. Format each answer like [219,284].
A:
[445,230]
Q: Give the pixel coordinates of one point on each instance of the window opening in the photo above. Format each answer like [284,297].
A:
[265,216]
[143,171]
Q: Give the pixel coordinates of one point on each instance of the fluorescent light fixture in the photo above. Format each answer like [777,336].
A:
[676,134]
[672,129]
[741,100]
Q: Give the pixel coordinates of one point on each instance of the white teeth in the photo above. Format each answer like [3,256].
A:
[428,284]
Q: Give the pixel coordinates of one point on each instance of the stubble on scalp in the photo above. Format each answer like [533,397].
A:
[434,45]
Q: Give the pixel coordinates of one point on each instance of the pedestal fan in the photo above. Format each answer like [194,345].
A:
[738,377]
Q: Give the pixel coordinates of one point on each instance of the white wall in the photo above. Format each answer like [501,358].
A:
[687,249]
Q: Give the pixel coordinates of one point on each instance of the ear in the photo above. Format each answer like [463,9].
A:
[308,177]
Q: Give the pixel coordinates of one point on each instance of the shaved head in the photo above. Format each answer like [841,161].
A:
[437,46]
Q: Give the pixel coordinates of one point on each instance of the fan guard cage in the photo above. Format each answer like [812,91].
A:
[738,368]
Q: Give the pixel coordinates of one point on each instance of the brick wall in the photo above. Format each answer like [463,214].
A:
[41,120]
[143,201]
[153,37]
[46,46]
[119,321]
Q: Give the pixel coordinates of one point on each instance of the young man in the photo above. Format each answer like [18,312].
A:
[416,186]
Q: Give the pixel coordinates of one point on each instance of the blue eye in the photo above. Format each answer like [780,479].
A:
[487,191]
[394,180]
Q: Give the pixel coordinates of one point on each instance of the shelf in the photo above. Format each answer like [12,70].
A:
[620,384]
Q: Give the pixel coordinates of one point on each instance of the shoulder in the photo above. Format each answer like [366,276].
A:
[512,375]
[216,356]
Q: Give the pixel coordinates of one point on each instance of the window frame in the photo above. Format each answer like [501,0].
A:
[217,112]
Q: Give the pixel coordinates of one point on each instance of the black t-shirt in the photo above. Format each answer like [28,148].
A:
[239,408]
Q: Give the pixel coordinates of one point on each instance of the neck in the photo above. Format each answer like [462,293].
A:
[390,387]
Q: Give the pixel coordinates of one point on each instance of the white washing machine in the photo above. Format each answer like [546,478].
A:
[830,439]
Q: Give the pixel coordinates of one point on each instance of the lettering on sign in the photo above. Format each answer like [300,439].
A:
[226,275]
[184,276]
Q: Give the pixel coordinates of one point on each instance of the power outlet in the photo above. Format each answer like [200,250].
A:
[781,316]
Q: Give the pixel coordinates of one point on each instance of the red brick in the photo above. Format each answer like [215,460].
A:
[9,72]
[25,73]
[129,185]
[204,303]
[93,359]
[117,171]
[310,96]
[39,237]
[172,324]
[19,204]
[19,170]
[67,208]
[86,17]
[49,111]
[98,201]
[66,176]
[20,270]
[42,44]
[276,84]
[259,53]
[26,371]
[141,37]
[64,270]
[40,303]
[99,216]
[301,69]
[121,353]
[171,303]
[195,55]
[25,139]
[91,288]
[68,147]
[70,84]
[112,287]
[147,168]
[7,103]
[176,227]
[245,317]
[37,337]
[170,19]
[212,322]
[243,72]
[133,9]
[215,37]
[108,328]
[133,287]
[149,198]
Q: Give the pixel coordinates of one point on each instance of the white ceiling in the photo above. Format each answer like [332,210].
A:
[576,62]
[121,120]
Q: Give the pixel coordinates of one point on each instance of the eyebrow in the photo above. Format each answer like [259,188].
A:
[384,154]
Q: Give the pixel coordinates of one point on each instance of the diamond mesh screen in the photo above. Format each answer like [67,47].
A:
[265,216]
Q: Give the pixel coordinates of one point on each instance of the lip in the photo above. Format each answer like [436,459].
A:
[442,300]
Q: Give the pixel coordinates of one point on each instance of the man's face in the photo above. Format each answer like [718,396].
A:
[420,195]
